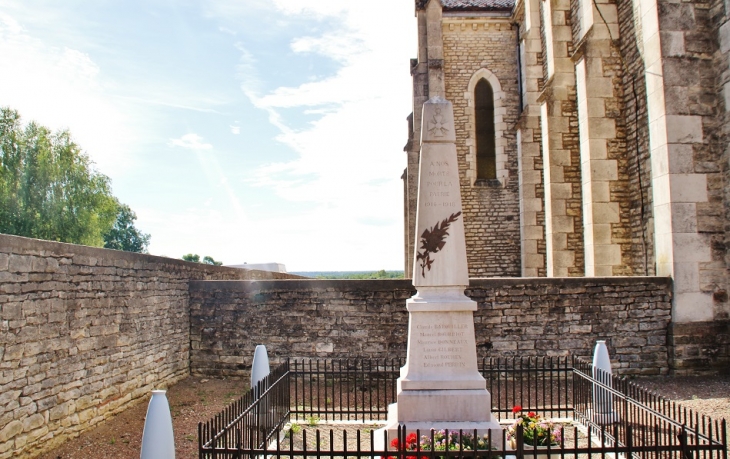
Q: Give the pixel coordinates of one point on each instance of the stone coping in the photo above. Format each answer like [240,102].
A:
[389,284]
[100,256]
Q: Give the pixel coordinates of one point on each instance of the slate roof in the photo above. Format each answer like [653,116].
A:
[472,5]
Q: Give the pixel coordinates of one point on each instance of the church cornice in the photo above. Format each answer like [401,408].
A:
[457,6]
[466,15]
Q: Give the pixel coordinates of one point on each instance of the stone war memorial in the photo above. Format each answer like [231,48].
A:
[566,183]
[440,385]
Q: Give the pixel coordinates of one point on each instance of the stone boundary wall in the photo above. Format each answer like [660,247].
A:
[700,347]
[346,319]
[85,333]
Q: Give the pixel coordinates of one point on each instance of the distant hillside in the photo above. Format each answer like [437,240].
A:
[382,274]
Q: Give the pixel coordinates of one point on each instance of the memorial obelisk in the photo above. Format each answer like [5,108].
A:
[440,386]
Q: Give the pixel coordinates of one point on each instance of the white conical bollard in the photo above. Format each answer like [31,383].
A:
[603,412]
[158,441]
[259,366]
[259,371]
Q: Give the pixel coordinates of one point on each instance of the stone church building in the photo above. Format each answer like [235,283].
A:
[591,136]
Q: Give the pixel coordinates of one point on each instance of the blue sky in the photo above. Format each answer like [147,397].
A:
[249,130]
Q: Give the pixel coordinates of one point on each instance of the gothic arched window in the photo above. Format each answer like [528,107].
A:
[484,126]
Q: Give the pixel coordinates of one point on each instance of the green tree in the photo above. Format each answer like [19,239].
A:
[382,274]
[195,258]
[124,235]
[48,186]
[210,261]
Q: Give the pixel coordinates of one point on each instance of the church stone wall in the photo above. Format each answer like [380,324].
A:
[695,91]
[491,209]
[347,319]
[85,333]
[529,138]
[560,144]
[721,57]
[637,154]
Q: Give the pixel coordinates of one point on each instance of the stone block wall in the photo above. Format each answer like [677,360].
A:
[295,318]
[719,15]
[85,333]
[474,48]
[637,153]
[529,136]
[700,347]
[347,319]
[564,236]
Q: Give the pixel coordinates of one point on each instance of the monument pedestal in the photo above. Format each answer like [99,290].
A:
[440,386]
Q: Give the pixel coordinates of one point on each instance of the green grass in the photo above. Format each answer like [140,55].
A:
[294,429]
[312,421]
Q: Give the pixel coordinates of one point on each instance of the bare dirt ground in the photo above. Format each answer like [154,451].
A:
[196,399]
[191,401]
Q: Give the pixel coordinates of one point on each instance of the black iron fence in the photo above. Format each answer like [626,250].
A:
[343,390]
[639,418]
[598,415]
[540,384]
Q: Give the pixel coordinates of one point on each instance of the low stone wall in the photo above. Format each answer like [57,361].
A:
[346,319]
[700,347]
[85,333]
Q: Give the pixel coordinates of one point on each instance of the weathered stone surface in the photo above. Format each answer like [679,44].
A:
[700,346]
[12,429]
[554,317]
[33,422]
[79,340]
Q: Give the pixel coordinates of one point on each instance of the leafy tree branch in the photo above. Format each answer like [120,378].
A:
[49,189]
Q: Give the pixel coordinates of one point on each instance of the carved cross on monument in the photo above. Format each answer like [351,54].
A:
[440,386]
[438,128]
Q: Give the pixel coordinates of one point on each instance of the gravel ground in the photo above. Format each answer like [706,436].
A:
[709,395]
[195,399]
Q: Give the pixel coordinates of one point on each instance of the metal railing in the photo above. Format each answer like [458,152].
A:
[639,417]
[602,415]
[343,390]
[250,421]
[543,384]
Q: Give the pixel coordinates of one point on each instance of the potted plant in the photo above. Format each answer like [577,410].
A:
[537,433]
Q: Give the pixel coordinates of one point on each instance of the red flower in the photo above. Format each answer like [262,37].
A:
[531,414]
[411,440]
[516,409]
[394,443]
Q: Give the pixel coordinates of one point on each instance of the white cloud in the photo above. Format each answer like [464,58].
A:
[319,8]
[340,47]
[230,9]
[350,158]
[247,72]
[190,141]
[217,182]
[235,129]
[62,88]
[313,240]
[362,127]
[227,30]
